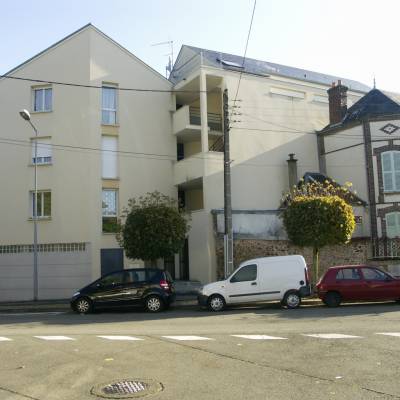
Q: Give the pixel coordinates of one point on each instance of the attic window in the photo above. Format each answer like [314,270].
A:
[230,63]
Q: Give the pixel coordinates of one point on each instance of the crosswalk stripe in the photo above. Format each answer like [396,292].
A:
[260,337]
[187,337]
[332,336]
[5,339]
[397,334]
[54,338]
[131,338]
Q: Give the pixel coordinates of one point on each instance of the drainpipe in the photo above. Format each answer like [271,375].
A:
[292,168]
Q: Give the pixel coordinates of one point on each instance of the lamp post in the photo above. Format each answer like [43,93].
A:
[27,117]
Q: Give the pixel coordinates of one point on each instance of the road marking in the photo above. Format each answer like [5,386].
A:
[120,338]
[389,333]
[5,339]
[332,336]
[54,338]
[260,337]
[187,337]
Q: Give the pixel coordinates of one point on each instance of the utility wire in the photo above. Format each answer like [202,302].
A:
[245,51]
[101,86]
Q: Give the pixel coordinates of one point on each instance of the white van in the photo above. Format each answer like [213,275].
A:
[283,278]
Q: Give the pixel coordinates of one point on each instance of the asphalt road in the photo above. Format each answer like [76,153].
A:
[192,353]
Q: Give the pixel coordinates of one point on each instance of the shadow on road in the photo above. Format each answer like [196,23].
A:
[314,311]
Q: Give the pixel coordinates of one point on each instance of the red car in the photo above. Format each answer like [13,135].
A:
[357,282]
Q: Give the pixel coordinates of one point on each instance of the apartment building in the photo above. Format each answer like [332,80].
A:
[277,111]
[99,145]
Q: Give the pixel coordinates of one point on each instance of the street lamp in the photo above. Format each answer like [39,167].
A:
[27,117]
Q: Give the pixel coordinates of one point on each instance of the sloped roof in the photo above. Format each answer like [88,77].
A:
[257,67]
[374,103]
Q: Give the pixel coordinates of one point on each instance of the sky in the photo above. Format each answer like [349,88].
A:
[354,39]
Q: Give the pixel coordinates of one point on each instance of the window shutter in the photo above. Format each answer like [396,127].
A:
[109,146]
[44,151]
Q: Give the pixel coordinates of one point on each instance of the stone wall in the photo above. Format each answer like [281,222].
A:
[358,251]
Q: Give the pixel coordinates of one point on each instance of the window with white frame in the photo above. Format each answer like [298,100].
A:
[391,171]
[43,204]
[109,105]
[393,224]
[44,151]
[109,157]
[109,210]
[42,99]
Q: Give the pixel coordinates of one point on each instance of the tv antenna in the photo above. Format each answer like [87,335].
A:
[170,55]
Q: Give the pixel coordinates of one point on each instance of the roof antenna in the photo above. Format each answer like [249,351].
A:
[169,66]
[374,82]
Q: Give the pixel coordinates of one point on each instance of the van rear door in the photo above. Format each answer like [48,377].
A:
[243,286]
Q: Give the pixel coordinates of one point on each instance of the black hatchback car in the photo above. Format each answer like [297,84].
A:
[147,287]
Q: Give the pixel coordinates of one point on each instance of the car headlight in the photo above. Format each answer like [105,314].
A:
[76,294]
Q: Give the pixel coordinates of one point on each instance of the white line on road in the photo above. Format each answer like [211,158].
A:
[54,338]
[5,339]
[21,314]
[397,334]
[187,337]
[332,336]
[120,338]
[260,337]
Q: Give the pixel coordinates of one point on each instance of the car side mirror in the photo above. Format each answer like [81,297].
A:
[388,279]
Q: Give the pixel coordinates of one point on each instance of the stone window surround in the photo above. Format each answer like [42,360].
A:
[378,153]
[395,207]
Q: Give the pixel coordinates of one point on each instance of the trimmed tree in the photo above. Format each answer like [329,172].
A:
[152,227]
[317,215]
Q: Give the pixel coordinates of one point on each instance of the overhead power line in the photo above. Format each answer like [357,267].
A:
[100,86]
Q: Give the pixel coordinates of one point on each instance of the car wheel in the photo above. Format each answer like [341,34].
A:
[292,300]
[83,305]
[332,299]
[154,304]
[216,303]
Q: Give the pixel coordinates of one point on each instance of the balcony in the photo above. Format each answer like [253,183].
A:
[187,123]
[197,166]
[385,248]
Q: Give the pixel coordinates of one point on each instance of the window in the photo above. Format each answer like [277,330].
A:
[109,105]
[393,224]
[44,151]
[109,206]
[371,274]
[112,279]
[135,276]
[246,273]
[43,204]
[348,274]
[42,99]
[391,171]
[109,159]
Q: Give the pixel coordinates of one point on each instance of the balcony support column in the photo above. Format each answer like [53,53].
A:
[203,111]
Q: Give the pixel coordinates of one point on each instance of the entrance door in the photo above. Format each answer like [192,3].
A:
[111,260]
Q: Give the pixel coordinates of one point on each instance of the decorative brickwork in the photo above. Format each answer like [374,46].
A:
[358,251]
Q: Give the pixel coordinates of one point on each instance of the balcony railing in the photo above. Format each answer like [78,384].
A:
[214,120]
[385,248]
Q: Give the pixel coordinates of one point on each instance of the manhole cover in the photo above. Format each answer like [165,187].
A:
[127,388]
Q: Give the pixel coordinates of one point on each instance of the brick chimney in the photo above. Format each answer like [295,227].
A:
[337,95]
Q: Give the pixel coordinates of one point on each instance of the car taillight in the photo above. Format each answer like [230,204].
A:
[164,284]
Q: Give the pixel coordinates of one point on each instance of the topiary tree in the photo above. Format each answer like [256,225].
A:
[152,227]
[316,215]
